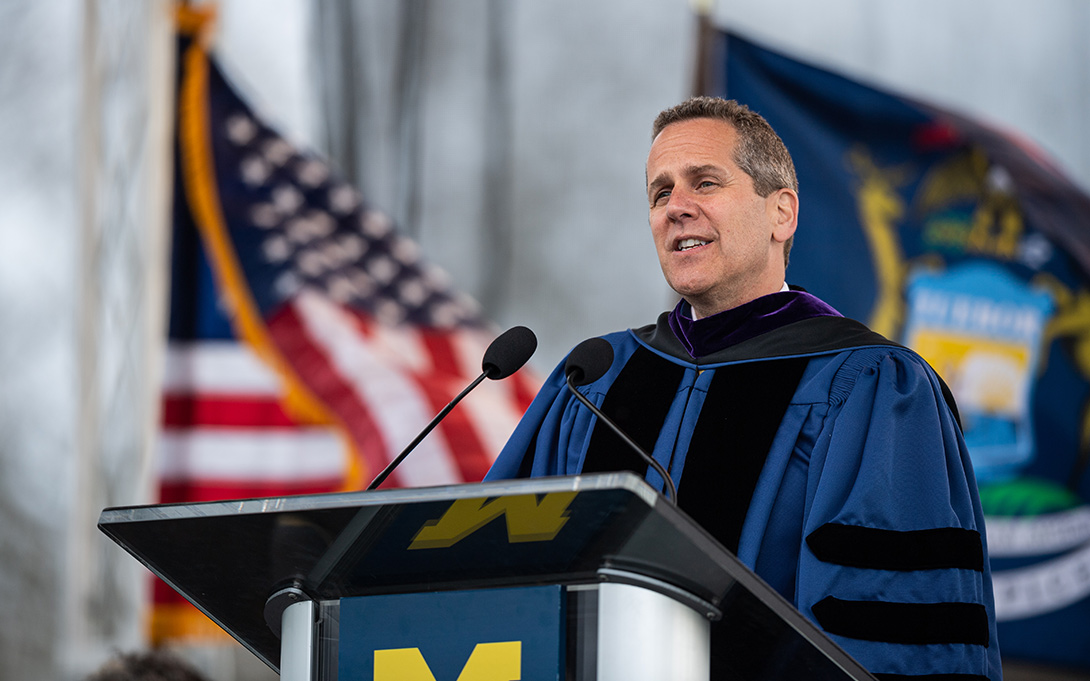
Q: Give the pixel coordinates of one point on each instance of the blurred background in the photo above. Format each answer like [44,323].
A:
[507,138]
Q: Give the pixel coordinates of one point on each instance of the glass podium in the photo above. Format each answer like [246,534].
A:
[586,577]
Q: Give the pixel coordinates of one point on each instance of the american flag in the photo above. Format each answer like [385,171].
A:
[309,340]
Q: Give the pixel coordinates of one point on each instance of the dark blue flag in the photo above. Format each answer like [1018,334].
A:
[966,244]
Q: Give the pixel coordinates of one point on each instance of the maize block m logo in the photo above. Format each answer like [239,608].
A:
[488,662]
[527,519]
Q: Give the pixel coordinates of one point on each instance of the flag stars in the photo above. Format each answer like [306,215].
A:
[383,269]
[255,170]
[321,222]
[311,173]
[319,234]
[389,312]
[444,315]
[343,199]
[467,304]
[352,247]
[351,288]
[436,276]
[265,215]
[309,228]
[375,224]
[277,151]
[341,290]
[287,199]
[405,250]
[337,254]
[276,249]
[313,263]
[362,282]
[287,284]
[241,129]
[413,292]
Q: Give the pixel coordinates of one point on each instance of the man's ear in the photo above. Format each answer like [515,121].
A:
[784,205]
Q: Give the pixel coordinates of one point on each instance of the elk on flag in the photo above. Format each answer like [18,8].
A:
[309,340]
[969,246]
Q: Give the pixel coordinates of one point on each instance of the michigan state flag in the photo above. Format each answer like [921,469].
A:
[969,246]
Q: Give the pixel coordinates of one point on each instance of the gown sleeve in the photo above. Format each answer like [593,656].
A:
[894,561]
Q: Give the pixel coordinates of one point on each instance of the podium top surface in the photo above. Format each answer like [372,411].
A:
[229,557]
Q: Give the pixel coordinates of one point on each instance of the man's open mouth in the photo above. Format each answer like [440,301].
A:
[686,244]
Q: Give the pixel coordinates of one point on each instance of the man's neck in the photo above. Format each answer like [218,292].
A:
[696,315]
[738,324]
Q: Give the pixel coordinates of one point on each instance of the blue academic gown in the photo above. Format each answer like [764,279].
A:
[827,458]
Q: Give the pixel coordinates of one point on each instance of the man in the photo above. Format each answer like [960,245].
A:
[828,458]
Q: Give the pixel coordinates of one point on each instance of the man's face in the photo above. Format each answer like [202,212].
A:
[719,243]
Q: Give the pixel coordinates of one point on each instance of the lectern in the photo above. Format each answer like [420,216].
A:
[592,577]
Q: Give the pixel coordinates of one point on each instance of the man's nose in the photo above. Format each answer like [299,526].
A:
[680,205]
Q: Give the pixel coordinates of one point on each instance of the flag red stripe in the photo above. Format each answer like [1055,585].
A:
[187,411]
[317,372]
[465,445]
[442,353]
[525,388]
[162,593]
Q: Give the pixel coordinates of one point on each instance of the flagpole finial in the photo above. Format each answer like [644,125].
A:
[702,8]
[196,20]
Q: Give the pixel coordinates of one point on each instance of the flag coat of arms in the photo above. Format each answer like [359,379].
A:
[310,341]
[968,245]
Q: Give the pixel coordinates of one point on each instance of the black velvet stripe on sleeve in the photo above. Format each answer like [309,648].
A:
[911,623]
[526,466]
[878,549]
[742,412]
[931,677]
[638,402]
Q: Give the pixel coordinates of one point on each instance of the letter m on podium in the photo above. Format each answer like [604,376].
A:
[527,518]
[495,634]
[487,662]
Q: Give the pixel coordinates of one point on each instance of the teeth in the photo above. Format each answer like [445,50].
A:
[686,244]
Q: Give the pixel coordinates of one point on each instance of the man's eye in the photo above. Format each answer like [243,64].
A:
[664,194]
[706,183]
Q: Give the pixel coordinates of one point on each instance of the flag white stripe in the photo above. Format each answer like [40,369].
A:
[403,348]
[493,407]
[250,455]
[492,410]
[399,408]
[217,367]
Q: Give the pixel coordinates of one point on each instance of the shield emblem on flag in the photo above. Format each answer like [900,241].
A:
[981,329]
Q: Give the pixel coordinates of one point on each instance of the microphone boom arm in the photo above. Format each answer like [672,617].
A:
[427,429]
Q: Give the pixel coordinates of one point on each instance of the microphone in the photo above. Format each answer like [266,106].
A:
[504,356]
[588,362]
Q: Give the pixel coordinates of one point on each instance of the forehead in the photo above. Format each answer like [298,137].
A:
[694,142]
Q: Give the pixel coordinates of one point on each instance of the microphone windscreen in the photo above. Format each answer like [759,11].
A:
[589,361]
[508,352]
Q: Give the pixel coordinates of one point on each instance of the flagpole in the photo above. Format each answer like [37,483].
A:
[705,67]
[414,14]
[339,78]
[498,165]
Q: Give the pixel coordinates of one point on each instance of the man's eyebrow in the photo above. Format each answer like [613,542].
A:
[687,171]
[706,169]
[659,181]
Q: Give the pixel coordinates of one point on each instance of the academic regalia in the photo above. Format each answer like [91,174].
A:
[827,458]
